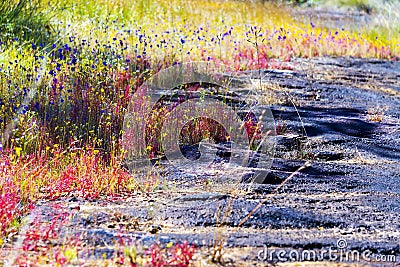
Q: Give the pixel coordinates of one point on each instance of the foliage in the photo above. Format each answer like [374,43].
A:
[28,20]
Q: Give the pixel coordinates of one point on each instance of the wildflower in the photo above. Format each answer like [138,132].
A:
[18,151]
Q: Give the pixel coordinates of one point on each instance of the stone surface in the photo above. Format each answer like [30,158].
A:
[350,192]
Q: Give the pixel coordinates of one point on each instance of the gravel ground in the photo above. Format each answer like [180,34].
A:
[347,200]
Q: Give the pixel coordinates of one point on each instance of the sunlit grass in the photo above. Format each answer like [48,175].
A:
[103,50]
[54,174]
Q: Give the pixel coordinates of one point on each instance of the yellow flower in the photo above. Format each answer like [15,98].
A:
[18,151]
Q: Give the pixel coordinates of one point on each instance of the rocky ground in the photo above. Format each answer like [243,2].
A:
[340,114]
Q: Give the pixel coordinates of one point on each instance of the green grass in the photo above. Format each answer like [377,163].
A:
[383,19]
[28,20]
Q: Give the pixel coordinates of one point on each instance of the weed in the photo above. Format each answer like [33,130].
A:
[376,114]
[281,126]
[179,255]
[27,20]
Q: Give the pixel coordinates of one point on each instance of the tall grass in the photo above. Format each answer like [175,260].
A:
[107,45]
[28,20]
[384,15]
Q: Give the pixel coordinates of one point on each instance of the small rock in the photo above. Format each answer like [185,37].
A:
[154,229]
